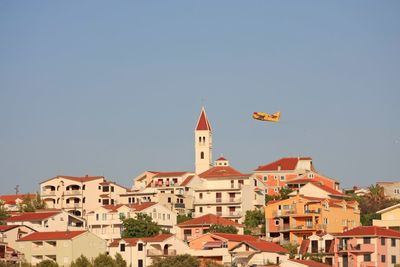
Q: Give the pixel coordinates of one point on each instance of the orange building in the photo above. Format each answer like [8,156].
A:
[297,218]
[295,170]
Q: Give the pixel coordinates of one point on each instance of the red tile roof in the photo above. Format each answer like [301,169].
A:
[286,164]
[80,179]
[133,241]
[209,219]
[187,180]
[311,263]
[169,174]
[221,158]
[141,206]
[10,199]
[202,123]
[235,237]
[317,184]
[221,171]
[64,235]
[266,246]
[370,231]
[32,216]
[304,246]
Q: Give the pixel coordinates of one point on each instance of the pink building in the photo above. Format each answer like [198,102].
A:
[367,246]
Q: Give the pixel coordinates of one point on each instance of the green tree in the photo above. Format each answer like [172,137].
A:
[183,218]
[82,261]
[185,260]
[120,261]
[104,260]
[3,213]
[31,204]
[284,193]
[141,226]
[292,247]
[212,264]
[47,263]
[218,228]
[254,222]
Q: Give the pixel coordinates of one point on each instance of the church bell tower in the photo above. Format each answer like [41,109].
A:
[203,143]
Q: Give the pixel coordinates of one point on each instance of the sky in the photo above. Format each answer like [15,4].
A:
[115,88]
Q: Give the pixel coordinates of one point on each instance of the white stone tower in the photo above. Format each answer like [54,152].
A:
[203,143]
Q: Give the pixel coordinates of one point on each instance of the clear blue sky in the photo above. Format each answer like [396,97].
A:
[114,88]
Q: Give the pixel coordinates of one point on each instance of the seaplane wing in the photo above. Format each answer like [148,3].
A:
[267,117]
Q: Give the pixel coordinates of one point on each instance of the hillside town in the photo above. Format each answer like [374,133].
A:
[284,213]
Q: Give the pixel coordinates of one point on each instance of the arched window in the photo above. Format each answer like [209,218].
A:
[204,139]
[199,139]
[202,155]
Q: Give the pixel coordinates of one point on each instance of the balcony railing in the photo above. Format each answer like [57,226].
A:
[72,192]
[356,247]
[73,205]
[179,205]
[48,193]
[294,212]
[156,252]
[221,214]
[219,200]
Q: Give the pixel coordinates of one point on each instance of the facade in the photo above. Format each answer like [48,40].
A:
[203,143]
[321,245]
[315,189]
[295,170]
[140,252]
[106,222]
[390,189]
[297,218]
[9,234]
[303,263]
[170,189]
[226,192]
[390,218]
[367,246]
[11,202]
[48,221]
[79,195]
[61,247]
[196,227]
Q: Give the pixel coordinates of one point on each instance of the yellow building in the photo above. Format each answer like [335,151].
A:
[61,247]
[390,218]
[297,218]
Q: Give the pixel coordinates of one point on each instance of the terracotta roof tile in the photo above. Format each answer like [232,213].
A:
[5,228]
[11,199]
[80,179]
[32,216]
[203,123]
[266,246]
[209,219]
[141,206]
[187,180]
[370,231]
[64,235]
[221,171]
[286,164]
[311,263]
[235,237]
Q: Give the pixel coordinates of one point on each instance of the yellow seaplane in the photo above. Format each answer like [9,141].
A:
[267,117]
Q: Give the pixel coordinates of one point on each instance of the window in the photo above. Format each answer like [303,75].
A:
[83,187]
[202,155]
[393,259]
[383,258]
[276,190]
[104,216]
[140,247]
[325,220]
[168,217]
[112,188]
[140,263]
[84,200]
[99,200]
[97,217]
[367,240]
[265,178]
[383,241]
[121,247]
[106,189]
[201,209]
[367,257]
[396,191]
[169,200]
[282,178]
[393,242]
[255,182]
[276,177]
[276,222]
[105,202]
[129,200]
[99,187]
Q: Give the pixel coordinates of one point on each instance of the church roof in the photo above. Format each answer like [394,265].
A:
[202,123]
[221,171]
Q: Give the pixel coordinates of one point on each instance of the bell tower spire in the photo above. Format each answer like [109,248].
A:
[203,143]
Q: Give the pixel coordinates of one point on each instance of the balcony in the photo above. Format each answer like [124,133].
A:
[295,213]
[72,192]
[179,205]
[73,205]
[230,200]
[48,193]
[356,248]
[156,252]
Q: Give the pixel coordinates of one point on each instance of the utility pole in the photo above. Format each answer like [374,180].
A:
[16,189]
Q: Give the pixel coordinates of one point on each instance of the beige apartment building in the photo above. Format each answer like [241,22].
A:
[390,218]
[61,247]
[10,233]
[79,195]
[226,192]
[390,189]
[106,221]
[48,221]
[170,189]
[140,252]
